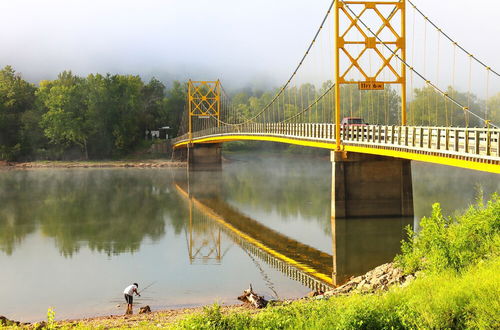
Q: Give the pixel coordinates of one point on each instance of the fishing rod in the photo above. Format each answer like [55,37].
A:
[145,288]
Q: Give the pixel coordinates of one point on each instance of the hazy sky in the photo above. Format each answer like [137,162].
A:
[240,42]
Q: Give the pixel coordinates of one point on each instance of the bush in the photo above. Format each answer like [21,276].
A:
[454,242]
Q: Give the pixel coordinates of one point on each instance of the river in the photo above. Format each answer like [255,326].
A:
[73,239]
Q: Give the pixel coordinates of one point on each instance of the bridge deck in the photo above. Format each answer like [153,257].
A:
[472,148]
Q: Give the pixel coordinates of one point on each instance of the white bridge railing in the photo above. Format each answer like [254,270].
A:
[479,144]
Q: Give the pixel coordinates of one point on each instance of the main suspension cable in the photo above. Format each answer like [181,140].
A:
[296,69]
[453,41]
[428,82]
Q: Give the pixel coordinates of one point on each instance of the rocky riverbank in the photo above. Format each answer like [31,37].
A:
[380,278]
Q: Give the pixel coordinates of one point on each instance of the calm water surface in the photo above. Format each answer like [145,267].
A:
[73,239]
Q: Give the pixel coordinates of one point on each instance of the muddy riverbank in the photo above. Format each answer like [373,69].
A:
[376,280]
[93,164]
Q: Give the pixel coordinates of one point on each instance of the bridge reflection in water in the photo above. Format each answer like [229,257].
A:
[358,244]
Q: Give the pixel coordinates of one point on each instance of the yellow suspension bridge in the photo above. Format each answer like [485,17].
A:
[341,97]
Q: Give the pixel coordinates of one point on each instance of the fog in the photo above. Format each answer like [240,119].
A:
[243,43]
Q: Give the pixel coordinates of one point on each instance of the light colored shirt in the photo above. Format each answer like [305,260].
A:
[130,289]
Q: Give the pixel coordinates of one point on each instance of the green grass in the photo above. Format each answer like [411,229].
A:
[447,300]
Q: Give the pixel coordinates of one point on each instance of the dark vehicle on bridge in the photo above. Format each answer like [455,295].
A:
[353,121]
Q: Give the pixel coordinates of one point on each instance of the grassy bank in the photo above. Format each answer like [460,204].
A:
[456,261]
[445,300]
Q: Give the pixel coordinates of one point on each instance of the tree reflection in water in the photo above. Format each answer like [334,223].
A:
[110,211]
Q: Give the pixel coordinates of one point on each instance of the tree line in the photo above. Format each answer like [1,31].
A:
[425,106]
[98,116]
[105,116]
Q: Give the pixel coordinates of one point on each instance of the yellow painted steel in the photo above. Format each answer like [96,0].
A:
[337,77]
[456,162]
[403,65]
[212,214]
[204,100]
[371,41]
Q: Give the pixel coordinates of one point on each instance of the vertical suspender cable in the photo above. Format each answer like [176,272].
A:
[425,73]
[309,100]
[350,97]
[453,77]
[296,102]
[370,112]
[437,76]
[487,93]
[469,93]
[412,106]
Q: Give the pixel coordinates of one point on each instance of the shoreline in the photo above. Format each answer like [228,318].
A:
[149,163]
[378,279]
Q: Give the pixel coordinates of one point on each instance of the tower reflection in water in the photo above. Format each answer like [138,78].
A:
[358,244]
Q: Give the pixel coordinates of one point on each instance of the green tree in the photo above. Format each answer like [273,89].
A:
[175,106]
[493,113]
[430,108]
[66,121]
[154,113]
[16,97]
[126,92]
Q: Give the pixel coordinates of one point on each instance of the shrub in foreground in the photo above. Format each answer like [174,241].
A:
[453,242]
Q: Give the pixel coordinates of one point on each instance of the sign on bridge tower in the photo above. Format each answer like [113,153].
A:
[204,101]
[369,53]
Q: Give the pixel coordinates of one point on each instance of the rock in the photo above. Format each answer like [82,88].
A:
[144,310]
[408,279]
[380,278]
[379,271]
[396,273]
[365,288]
[315,293]
[356,279]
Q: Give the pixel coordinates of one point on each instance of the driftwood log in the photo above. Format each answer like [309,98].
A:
[144,310]
[251,298]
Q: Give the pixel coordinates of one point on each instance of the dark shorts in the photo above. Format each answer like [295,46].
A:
[129,299]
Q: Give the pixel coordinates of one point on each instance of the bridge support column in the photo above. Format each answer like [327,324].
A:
[205,157]
[370,186]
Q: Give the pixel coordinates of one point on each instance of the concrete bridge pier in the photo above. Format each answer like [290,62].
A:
[205,157]
[370,186]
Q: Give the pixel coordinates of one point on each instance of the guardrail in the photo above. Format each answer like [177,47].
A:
[480,143]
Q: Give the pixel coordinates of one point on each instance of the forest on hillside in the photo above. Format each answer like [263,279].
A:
[107,116]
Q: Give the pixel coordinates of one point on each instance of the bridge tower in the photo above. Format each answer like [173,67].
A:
[204,105]
[351,34]
[366,185]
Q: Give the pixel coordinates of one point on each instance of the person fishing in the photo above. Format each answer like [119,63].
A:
[129,291]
